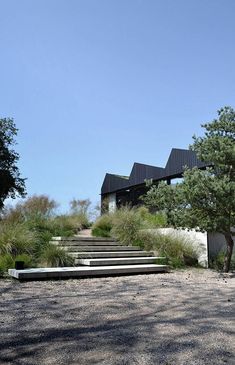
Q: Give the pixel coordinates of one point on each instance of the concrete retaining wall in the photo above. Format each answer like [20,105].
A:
[209,244]
[199,239]
[216,244]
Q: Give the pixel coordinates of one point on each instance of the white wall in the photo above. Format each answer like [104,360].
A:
[112,202]
[209,244]
[199,240]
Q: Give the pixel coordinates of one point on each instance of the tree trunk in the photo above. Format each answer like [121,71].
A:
[229,251]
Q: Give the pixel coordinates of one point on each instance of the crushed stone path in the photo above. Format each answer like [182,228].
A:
[180,318]
[85,233]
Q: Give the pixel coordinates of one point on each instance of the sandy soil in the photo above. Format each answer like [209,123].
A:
[180,318]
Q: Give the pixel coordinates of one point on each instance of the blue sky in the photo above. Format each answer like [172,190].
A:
[95,86]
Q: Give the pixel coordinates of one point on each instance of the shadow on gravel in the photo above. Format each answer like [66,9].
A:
[119,324]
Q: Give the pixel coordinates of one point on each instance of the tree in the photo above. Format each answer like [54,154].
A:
[80,206]
[11,184]
[205,199]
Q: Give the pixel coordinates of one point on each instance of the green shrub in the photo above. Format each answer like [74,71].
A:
[126,224]
[6,262]
[69,224]
[45,229]
[102,227]
[27,228]
[217,262]
[54,256]
[16,239]
[64,225]
[36,206]
[152,220]
[99,232]
[28,262]
[178,249]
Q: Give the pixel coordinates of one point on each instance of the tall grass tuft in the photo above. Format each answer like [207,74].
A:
[27,228]
[126,224]
[6,262]
[54,256]
[103,225]
[177,248]
[16,239]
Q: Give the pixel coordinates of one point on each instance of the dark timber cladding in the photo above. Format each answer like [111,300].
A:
[128,189]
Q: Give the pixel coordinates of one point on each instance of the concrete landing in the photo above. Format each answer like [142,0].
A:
[79,272]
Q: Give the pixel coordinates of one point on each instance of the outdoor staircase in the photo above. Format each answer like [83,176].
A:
[97,252]
[94,256]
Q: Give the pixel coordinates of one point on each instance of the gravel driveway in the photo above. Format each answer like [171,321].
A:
[180,318]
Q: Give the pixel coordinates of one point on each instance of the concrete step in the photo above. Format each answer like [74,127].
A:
[79,272]
[86,239]
[100,248]
[85,243]
[119,261]
[109,254]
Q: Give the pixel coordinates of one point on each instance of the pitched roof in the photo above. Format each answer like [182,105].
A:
[178,159]
[140,172]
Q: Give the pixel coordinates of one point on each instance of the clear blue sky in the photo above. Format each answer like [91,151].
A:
[95,86]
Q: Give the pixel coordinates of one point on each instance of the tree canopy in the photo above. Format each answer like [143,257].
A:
[205,199]
[11,183]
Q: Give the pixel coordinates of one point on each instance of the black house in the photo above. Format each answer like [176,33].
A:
[119,190]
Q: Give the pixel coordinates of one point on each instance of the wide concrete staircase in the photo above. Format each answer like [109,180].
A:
[109,255]
[95,257]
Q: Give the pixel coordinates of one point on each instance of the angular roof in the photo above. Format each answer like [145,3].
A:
[140,172]
[178,159]
[114,182]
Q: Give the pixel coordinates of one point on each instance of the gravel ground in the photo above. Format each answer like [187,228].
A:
[180,318]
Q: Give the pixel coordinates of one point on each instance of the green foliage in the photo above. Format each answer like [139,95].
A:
[206,198]
[6,262]
[80,220]
[103,225]
[126,224]
[164,199]
[11,184]
[27,229]
[104,208]
[54,256]
[217,262]
[80,210]
[152,220]
[218,144]
[37,206]
[99,232]
[28,262]
[36,214]
[179,250]
[66,225]
[16,239]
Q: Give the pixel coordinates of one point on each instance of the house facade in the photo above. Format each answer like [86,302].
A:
[118,190]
